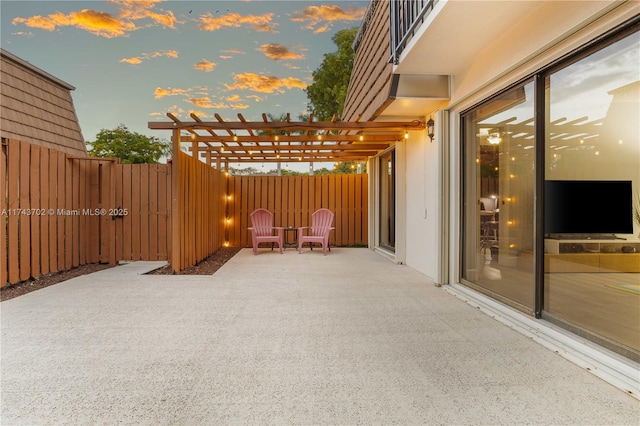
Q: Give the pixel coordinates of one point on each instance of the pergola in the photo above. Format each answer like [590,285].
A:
[245,141]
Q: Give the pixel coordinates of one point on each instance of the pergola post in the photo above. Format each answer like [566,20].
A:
[194,149]
[176,212]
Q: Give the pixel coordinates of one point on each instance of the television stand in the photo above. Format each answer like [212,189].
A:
[588,255]
[583,237]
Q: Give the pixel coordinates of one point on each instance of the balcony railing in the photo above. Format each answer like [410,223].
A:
[406,17]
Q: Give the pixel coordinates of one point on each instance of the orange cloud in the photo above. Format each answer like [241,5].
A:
[277,52]
[103,24]
[204,65]
[132,61]
[142,9]
[170,53]
[98,23]
[201,102]
[262,23]
[234,52]
[233,98]
[228,54]
[263,83]
[199,113]
[137,60]
[161,93]
[319,18]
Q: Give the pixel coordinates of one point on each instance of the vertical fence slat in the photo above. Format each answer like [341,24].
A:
[51,210]
[144,212]
[84,205]
[13,166]
[117,190]
[135,213]
[75,206]
[331,205]
[153,212]
[93,248]
[68,219]
[109,189]
[25,235]
[4,260]
[60,205]
[127,240]
[34,198]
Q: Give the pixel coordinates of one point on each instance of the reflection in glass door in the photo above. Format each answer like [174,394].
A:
[499,144]
[387,185]
[592,277]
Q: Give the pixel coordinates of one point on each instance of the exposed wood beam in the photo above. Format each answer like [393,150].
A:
[291,147]
[277,141]
[283,138]
[283,125]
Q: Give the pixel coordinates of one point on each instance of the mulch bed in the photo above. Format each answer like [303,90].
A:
[206,267]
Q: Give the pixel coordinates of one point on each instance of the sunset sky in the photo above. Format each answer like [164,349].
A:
[131,62]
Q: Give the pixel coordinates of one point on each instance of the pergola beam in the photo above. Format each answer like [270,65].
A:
[277,141]
[392,126]
[382,139]
[291,147]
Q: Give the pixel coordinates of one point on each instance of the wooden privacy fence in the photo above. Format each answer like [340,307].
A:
[142,194]
[59,211]
[292,200]
[198,212]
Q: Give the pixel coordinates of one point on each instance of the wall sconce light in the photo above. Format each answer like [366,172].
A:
[430,129]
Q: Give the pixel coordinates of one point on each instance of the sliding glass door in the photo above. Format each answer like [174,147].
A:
[592,147]
[387,191]
[576,124]
[499,196]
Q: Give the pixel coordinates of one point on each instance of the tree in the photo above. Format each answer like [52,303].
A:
[328,91]
[129,147]
[349,167]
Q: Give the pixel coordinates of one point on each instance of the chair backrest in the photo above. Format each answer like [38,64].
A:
[262,222]
[321,220]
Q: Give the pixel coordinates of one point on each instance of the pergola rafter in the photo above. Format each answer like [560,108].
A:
[274,141]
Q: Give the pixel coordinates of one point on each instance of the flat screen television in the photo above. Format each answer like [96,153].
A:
[587,208]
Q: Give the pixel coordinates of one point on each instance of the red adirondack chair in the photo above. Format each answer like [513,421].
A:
[262,230]
[318,232]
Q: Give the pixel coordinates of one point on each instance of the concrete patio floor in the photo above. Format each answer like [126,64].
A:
[293,339]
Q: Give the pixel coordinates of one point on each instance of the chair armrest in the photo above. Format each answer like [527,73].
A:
[327,230]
